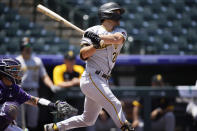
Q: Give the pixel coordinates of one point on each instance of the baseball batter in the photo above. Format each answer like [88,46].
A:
[100,60]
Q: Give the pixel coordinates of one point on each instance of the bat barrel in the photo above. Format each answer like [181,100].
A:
[57,17]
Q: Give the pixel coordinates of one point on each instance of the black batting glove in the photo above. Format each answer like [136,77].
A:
[94,38]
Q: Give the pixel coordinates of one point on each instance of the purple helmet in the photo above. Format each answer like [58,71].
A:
[11,68]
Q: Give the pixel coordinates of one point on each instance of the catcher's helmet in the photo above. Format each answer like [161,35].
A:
[25,42]
[11,68]
[106,11]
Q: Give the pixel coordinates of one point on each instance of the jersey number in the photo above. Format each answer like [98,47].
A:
[115,54]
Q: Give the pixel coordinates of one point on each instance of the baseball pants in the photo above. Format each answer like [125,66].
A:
[98,95]
[31,113]
[13,128]
[165,123]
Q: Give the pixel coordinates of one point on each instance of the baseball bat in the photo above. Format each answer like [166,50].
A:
[57,17]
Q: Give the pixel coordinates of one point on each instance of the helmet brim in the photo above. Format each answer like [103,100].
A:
[121,10]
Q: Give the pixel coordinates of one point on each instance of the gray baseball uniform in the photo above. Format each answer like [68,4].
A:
[94,84]
[33,69]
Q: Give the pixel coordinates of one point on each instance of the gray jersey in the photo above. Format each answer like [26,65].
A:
[104,58]
[33,69]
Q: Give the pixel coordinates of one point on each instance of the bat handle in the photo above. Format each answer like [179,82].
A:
[102,43]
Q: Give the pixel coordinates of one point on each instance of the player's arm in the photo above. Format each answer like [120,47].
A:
[32,101]
[89,44]
[66,84]
[45,77]
[59,80]
[87,51]
[47,81]
[40,101]
[116,38]
[23,97]
[97,40]
[62,107]
[75,81]
[136,108]
[155,113]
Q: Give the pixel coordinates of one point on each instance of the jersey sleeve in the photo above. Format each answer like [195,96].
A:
[58,74]
[123,32]
[167,103]
[79,69]
[22,96]
[42,70]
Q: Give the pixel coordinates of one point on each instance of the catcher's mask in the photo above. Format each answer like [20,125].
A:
[106,11]
[11,68]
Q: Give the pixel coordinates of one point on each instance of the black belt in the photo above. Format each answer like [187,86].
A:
[102,74]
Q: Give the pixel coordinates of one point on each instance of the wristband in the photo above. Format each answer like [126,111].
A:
[45,102]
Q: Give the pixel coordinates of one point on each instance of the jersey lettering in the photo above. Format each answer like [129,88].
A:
[115,54]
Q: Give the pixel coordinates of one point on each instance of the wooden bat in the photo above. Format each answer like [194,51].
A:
[57,17]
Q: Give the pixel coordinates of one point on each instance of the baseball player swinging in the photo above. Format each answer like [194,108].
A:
[100,59]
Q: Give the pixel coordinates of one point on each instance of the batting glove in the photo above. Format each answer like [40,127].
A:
[94,38]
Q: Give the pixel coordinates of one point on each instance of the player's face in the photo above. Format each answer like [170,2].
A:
[16,72]
[116,23]
[27,52]
[70,63]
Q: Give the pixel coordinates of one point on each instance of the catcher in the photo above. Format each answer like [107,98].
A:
[12,96]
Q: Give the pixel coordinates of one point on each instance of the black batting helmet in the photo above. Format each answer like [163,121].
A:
[11,68]
[106,11]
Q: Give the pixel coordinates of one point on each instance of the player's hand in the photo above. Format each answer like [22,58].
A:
[135,123]
[94,38]
[54,88]
[64,109]
[75,81]
[155,113]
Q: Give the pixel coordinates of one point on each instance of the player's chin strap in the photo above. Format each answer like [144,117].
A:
[127,127]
